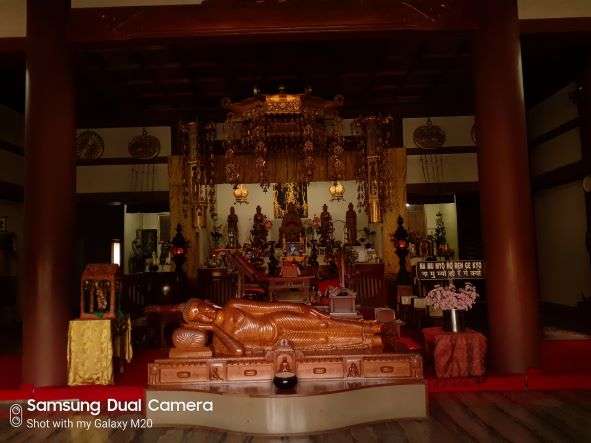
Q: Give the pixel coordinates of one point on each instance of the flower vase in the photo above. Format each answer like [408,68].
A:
[453,320]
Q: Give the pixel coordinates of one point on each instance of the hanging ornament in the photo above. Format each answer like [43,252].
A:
[308,151]
[232,175]
[374,177]
[429,136]
[144,146]
[240,194]
[89,145]
[337,191]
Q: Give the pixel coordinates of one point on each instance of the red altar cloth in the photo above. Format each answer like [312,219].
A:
[461,354]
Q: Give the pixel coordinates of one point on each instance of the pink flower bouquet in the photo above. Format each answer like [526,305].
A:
[449,297]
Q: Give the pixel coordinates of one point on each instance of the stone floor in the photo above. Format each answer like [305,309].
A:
[507,416]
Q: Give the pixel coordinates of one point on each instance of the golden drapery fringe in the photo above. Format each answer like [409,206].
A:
[122,340]
[397,163]
[90,352]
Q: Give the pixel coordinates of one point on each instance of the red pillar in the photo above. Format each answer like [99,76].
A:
[506,200]
[49,194]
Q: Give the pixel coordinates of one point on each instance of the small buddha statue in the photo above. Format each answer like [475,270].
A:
[291,229]
[259,230]
[232,222]
[326,227]
[351,226]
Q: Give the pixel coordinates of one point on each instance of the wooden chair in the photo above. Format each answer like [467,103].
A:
[216,284]
[419,312]
[404,296]
[368,281]
[250,283]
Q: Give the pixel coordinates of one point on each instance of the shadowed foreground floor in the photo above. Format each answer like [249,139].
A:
[507,416]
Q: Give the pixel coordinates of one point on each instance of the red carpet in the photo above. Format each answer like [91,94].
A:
[565,364]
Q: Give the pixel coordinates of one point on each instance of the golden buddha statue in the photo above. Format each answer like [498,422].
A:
[244,327]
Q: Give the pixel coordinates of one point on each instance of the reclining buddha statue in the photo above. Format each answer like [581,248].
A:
[244,327]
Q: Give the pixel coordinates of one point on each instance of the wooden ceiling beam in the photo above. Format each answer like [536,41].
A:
[235,18]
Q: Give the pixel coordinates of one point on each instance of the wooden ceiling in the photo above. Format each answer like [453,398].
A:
[410,74]
[401,73]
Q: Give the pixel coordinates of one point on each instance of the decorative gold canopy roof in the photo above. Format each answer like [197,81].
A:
[283,104]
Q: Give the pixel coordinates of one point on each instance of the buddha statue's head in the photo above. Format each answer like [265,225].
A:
[196,310]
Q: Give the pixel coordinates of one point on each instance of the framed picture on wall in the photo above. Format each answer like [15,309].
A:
[3,224]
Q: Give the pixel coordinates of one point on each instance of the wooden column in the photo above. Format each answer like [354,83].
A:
[506,200]
[396,158]
[177,215]
[49,194]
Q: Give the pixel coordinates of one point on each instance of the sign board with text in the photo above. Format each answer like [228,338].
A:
[450,270]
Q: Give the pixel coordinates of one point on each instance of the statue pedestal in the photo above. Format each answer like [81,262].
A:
[314,406]
[187,372]
[193,353]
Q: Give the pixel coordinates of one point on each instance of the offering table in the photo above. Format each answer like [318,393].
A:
[460,354]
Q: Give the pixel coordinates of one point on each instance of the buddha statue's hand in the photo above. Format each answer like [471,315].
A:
[318,314]
[203,327]
[199,326]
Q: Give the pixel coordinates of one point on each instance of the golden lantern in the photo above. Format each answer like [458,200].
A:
[337,190]
[240,194]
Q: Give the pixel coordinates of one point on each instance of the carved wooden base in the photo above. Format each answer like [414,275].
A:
[188,371]
[193,353]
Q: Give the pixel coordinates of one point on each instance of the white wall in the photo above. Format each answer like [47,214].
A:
[564,267]
[117,139]
[457,129]
[120,178]
[552,112]
[452,167]
[540,9]
[560,214]
[125,178]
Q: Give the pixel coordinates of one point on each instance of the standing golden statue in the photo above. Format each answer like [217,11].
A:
[250,327]
[259,231]
[351,226]
[232,222]
[291,229]
[326,227]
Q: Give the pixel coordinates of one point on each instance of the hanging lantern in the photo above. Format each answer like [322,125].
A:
[144,146]
[240,194]
[89,145]
[429,136]
[374,177]
[337,191]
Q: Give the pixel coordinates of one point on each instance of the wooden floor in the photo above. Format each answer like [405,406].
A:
[512,416]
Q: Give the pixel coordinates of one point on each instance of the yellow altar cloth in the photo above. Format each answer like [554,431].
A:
[90,352]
